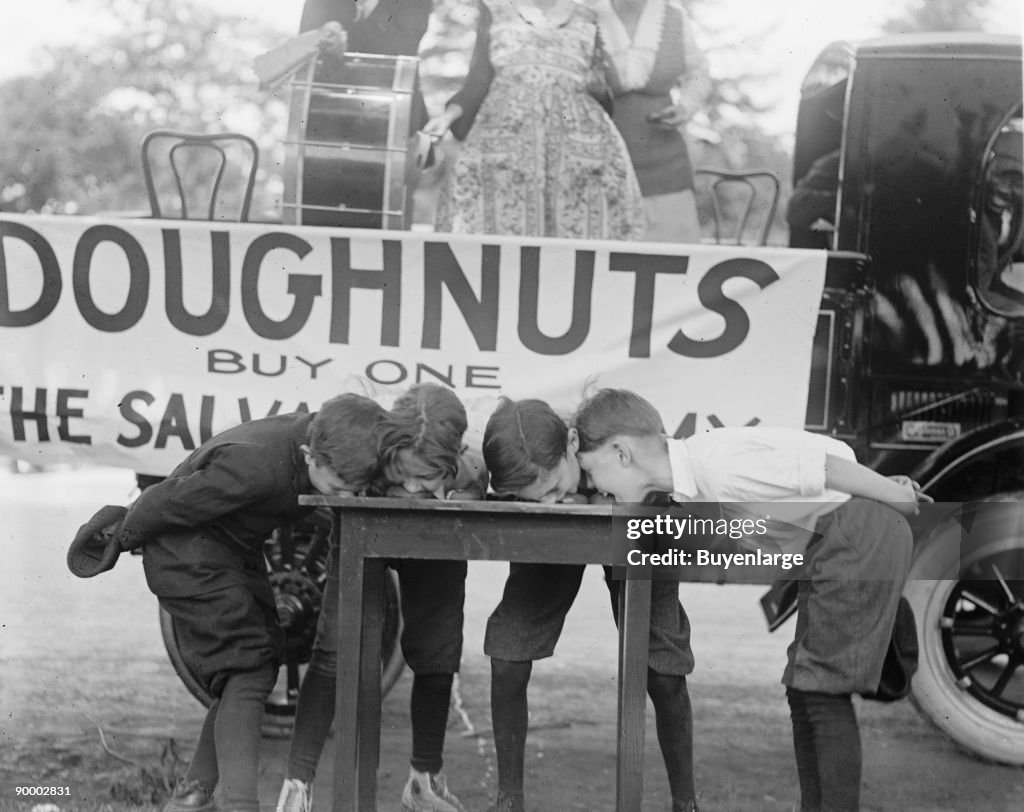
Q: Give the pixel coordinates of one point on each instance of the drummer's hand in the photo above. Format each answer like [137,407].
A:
[439,125]
[668,118]
[333,38]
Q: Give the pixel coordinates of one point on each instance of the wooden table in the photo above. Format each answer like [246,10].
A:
[373,530]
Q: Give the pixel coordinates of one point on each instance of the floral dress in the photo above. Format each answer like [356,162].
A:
[541,157]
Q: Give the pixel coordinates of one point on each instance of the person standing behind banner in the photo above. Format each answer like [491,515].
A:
[658,78]
[390,27]
[540,155]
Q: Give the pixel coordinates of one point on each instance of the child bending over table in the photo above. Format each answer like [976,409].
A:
[855,565]
[202,532]
[531,453]
[421,455]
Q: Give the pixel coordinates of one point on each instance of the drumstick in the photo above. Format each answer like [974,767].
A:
[280,63]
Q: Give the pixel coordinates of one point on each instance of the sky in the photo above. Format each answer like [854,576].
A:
[782,37]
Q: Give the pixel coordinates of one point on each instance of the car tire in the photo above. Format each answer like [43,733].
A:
[970,678]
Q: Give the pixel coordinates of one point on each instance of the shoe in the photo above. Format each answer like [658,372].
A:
[685,806]
[190,796]
[425,792]
[296,796]
[508,803]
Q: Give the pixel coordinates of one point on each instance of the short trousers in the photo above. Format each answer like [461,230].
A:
[528,621]
[848,593]
[232,629]
[433,596]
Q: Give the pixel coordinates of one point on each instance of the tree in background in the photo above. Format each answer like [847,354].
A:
[938,15]
[72,129]
[730,134]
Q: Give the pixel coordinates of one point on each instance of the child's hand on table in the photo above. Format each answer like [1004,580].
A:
[913,494]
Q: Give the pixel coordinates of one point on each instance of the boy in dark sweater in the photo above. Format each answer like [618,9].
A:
[202,532]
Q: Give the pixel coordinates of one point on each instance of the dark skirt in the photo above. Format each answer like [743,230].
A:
[660,157]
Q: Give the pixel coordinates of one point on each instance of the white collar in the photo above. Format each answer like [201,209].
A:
[633,57]
[555,16]
[684,483]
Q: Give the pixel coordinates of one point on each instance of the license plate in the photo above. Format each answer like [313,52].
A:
[928,431]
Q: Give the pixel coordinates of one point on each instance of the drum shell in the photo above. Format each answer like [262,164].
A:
[347,157]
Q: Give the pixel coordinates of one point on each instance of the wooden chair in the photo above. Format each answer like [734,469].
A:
[743,201]
[199,176]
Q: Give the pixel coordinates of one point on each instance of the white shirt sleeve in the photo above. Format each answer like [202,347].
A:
[763,464]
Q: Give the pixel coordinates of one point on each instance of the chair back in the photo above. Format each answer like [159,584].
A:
[199,176]
[738,206]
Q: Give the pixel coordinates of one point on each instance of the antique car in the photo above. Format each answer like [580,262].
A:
[919,359]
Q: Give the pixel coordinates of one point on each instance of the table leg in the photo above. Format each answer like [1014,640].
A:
[350,626]
[369,682]
[634,635]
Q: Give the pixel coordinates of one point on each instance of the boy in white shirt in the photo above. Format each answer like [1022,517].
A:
[856,563]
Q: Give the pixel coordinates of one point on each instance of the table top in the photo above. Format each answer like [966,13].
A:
[482,530]
[460,505]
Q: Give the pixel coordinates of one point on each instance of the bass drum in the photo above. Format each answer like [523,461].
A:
[346,158]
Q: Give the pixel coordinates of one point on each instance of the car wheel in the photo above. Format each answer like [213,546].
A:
[966,587]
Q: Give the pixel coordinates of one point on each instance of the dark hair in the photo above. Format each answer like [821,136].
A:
[428,420]
[342,437]
[612,412]
[523,439]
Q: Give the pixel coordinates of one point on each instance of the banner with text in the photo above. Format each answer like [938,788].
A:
[129,342]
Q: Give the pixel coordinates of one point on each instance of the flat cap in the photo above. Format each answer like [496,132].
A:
[95,548]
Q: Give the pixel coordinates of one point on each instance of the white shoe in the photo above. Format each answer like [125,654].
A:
[296,796]
[429,793]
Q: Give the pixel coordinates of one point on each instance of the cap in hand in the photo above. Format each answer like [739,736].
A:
[95,548]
